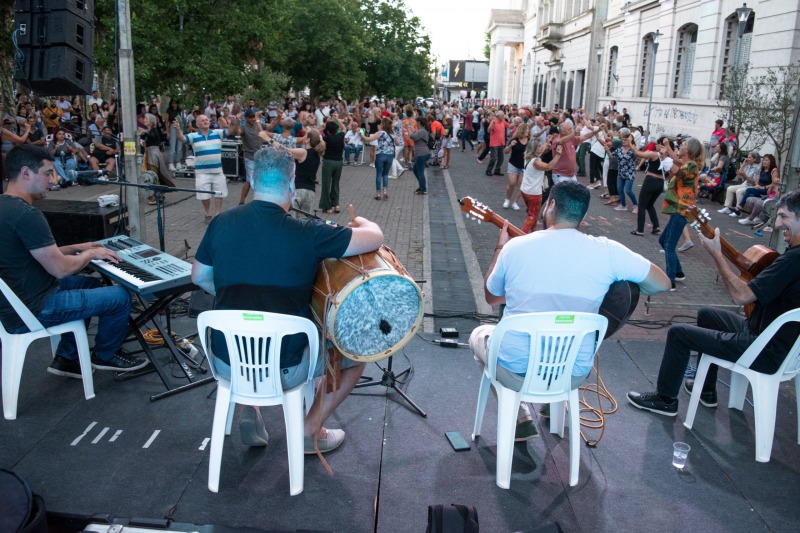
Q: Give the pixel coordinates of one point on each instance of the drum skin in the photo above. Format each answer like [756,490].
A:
[374,308]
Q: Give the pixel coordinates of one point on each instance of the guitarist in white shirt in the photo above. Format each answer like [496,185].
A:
[556,269]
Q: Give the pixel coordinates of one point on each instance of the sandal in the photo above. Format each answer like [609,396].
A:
[337,209]
[385,195]
[378,196]
[604,195]
[656,231]
[637,232]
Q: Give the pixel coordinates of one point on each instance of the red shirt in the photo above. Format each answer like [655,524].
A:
[497,135]
[719,135]
[566,165]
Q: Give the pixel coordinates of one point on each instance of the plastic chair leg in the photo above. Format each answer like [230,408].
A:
[694,399]
[293,416]
[13,355]
[557,417]
[738,392]
[54,340]
[765,402]
[85,359]
[574,438]
[221,410]
[507,406]
[229,420]
[483,396]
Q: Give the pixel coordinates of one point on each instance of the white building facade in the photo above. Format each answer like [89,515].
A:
[588,53]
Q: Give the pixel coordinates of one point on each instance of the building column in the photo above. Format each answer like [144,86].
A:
[496,66]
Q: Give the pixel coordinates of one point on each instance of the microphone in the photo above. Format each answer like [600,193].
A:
[100,175]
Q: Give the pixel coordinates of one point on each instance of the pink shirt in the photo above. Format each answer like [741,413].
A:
[497,137]
[566,165]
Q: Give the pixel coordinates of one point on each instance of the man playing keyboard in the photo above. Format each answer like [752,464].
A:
[42,274]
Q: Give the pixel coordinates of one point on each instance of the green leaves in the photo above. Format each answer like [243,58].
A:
[187,48]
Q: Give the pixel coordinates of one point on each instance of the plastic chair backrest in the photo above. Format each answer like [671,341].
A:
[555,340]
[22,310]
[791,365]
[254,340]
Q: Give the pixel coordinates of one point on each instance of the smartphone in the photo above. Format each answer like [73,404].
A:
[458,442]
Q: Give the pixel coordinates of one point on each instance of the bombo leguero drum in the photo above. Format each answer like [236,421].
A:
[368,304]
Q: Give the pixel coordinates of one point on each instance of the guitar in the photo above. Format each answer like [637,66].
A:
[750,263]
[619,302]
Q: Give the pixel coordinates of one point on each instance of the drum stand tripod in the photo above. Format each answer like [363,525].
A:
[390,379]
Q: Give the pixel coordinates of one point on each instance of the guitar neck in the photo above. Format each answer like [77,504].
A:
[499,221]
[731,254]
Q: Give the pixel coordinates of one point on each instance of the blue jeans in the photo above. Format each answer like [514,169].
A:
[383,163]
[625,186]
[349,149]
[62,168]
[466,138]
[419,170]
[79,297]
[669,241]
[175,147]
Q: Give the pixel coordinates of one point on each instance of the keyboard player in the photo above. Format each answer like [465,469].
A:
[42,274]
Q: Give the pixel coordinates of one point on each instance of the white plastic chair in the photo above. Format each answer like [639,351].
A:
[765,386]
[254,341]
[15,347]
[555,339]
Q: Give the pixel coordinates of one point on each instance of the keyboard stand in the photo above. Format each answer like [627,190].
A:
[150,314]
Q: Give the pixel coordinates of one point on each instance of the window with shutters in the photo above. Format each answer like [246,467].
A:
[646,60]
[611,83]
[684,61]
[730,55]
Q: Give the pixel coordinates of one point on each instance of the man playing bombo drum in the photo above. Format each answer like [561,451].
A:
[257,257]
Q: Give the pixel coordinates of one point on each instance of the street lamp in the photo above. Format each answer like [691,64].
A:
[656,36]
[599,48]
[742,14]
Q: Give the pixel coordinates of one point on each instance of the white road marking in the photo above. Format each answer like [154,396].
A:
[100,436]
[205,443]
[151,439]
[117,434]
[85,431]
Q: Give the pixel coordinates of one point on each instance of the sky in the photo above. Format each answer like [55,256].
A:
[457,27]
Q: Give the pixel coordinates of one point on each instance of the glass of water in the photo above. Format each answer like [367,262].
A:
[680,450]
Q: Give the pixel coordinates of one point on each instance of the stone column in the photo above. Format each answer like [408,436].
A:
[498,71]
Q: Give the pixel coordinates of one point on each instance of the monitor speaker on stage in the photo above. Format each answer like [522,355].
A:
[56,38]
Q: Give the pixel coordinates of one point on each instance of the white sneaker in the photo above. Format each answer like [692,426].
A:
[506,203]
[620,208]
[734,214]
[372,165]
[746,222]
[635,210]
[686,246]
[172,167]
[514,206]
[724,210]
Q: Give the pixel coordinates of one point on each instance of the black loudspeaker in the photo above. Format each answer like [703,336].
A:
[74,222]
[56,38]
[230,158]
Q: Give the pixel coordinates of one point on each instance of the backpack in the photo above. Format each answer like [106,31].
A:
[453,518]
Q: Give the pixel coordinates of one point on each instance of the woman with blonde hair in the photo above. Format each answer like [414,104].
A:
[681,193]
[305,173]
[373,123]
[516,166]
[533,179]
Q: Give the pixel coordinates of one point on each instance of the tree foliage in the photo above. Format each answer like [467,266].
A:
[763,107]
[188,48]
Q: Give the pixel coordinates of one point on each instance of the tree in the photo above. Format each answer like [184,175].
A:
[398,57]
[6,58]
[764,106]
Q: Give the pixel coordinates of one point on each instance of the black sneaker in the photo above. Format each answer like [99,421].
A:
[69,368]
[122,362]
[653,402]
[499,174]
[680,276]
[488,173]
[707,398]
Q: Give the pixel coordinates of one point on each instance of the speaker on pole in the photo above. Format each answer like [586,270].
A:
[56,38]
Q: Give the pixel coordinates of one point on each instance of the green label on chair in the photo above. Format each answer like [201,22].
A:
[565,319]
[252,316]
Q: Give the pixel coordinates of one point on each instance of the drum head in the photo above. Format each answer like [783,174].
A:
[378,317]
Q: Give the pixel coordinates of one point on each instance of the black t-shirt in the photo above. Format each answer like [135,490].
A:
[305,173]
[334,147]
[266,260]
[23,228]
[777,289]
[517,155]
[113,143]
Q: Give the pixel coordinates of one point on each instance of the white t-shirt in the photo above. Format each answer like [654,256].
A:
[597,145]
[532,179]
[353,137]
[558,270]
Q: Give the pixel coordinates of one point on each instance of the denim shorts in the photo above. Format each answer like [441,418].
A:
[514,170]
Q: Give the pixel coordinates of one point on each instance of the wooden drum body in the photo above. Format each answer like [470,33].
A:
[368,304]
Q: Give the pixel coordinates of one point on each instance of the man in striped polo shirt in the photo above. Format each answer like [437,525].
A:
[207,146]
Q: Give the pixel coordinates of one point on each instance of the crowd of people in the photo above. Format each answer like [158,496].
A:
[272,268]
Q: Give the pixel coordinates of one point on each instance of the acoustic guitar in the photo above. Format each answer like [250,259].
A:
[619,302]
[749,264]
